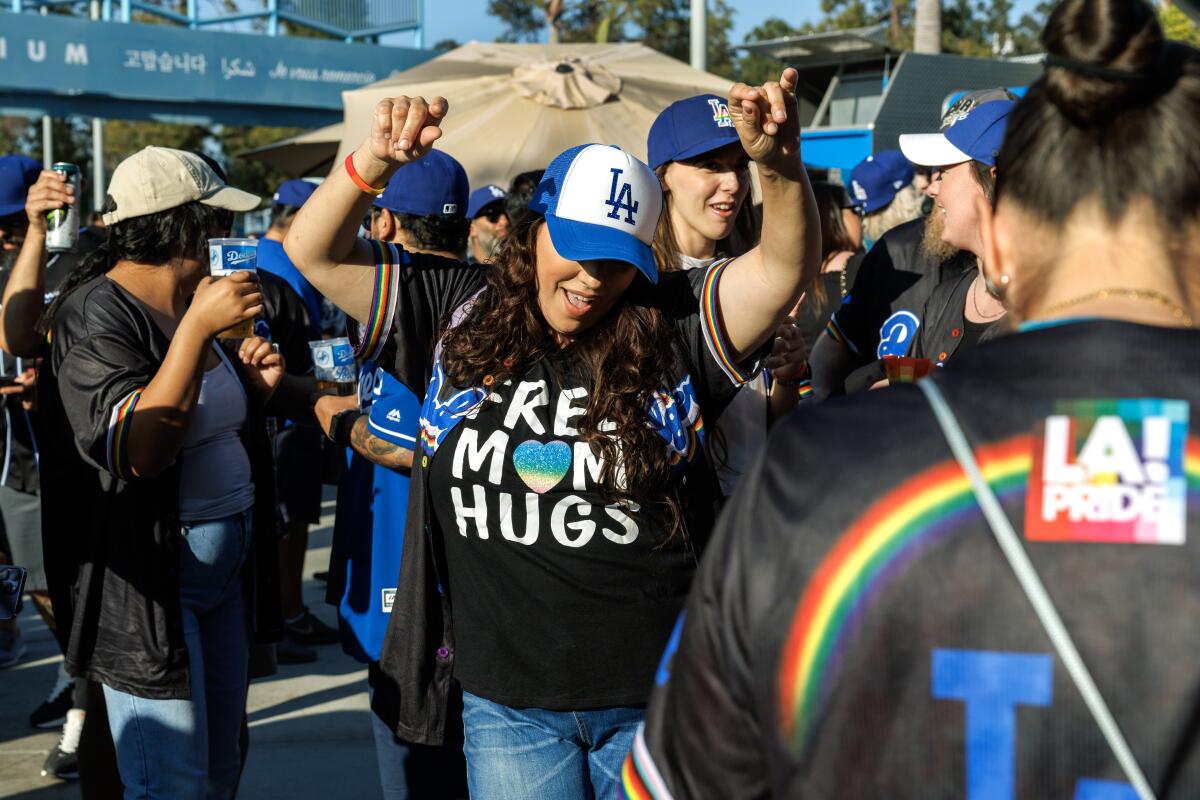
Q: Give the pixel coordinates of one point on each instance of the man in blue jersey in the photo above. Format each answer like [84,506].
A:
[423,211]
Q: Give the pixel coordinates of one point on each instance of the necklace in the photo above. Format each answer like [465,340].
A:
[975,303]
[1177,311]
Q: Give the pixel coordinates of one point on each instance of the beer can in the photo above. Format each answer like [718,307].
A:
[334,367]
[225,257]
[62,224]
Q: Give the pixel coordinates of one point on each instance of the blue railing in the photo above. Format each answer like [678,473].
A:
[346,19]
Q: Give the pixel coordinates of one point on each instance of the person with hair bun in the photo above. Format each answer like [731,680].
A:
[1001,603]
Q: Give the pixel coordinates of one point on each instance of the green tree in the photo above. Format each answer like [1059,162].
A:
[253,176]
[523,19]
[664,25]
[1177,26]
[755,68]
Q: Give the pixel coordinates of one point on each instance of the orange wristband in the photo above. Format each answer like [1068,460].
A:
[358,181]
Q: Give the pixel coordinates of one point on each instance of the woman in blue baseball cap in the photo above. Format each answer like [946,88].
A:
[561,489]
[705,174]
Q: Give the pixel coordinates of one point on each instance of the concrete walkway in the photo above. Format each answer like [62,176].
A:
[310,733]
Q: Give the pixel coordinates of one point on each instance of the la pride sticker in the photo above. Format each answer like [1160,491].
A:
[1110,471]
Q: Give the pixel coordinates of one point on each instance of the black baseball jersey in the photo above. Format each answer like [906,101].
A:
[881,315]
[944,326]
[855,631]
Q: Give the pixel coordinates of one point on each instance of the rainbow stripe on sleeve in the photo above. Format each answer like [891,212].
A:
[118,435]
[639,777]
[710,324]
[836,334]
[892,532]
[383,302]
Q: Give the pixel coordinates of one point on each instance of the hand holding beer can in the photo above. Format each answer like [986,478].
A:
[62,224]
[226,256]
[334,367]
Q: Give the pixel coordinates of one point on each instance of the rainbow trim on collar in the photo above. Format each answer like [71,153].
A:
[383,302]
[710,324]
[892,533]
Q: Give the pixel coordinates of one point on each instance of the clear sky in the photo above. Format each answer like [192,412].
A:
[464,20]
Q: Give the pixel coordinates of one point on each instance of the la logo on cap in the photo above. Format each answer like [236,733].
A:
[720,113]
[621,199]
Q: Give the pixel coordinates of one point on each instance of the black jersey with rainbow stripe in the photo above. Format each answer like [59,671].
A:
[855,631]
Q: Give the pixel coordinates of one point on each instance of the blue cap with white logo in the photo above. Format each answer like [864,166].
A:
[974,136]
[17,174]
[293,193]
[600,204]
[482,198]
[688,128]
[433,186]
[876,179]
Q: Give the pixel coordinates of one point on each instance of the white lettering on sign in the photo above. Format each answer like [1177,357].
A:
[36,49]
[3,48]
[77,53]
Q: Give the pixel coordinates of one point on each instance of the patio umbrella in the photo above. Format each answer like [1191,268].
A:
[513,107]
[309,153]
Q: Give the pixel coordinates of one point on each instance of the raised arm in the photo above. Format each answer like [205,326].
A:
[25,292]
[323,241]
[759,288]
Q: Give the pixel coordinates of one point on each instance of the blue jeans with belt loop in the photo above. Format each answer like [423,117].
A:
[521,753]
[188,749]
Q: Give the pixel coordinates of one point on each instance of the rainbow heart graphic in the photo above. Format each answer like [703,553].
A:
[542,466]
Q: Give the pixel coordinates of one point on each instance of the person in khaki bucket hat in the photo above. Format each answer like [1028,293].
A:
[160,178]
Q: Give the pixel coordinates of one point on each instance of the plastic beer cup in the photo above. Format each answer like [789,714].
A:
[225,257]
[334,367]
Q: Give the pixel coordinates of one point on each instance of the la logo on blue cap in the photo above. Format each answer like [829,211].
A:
[720,113]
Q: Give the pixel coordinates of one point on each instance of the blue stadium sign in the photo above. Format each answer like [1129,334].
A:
[68,66]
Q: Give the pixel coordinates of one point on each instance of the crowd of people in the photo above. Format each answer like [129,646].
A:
[656,481]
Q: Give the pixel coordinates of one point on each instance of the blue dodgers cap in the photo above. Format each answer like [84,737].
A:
[17,174]
[293,193]
[689,127]
[433,186]
[875,180]
[974,136]
[483,197]
[601,203]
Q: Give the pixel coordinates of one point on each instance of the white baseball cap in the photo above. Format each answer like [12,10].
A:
[158,178]
[601,203]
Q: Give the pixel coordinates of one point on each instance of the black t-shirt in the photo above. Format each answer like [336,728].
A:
[867,638]
[561,600]
[881,315]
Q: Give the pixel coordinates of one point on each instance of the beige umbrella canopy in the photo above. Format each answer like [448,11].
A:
[513,107]
[309,153]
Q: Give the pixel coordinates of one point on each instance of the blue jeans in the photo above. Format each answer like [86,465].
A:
[188,749]
[519,753]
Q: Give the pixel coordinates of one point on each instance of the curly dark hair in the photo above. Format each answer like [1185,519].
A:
[623,359]
[150,239]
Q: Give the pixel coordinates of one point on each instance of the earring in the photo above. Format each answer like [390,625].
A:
[1004,279]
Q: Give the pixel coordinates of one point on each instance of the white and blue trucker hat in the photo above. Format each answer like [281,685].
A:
[601,203]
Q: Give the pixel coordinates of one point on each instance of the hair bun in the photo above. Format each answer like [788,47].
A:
[1102,55]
